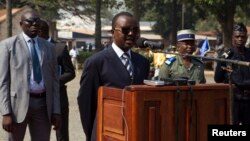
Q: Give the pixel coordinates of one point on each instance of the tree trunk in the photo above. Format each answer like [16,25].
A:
[98,33]
[9,17]
[226,21]
[53,30]
[136,9]
[227,32]
[174,24]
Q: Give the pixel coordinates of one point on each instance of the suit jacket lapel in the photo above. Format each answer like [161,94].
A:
[117,63]
[24,45]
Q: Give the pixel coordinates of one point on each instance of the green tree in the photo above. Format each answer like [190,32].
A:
[224,11]
[168,15]
[136,7]
[49,10]
[173,15]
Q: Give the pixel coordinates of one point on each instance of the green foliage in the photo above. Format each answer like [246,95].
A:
[112,4]
[83,55]
[199,14]
[208,23]
[165,11]
[242,15]
[48,9]
[158,11]
[226,13]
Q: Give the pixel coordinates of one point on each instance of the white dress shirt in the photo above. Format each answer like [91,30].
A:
[34,86]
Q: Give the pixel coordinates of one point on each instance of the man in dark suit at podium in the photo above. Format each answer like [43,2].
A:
[117,66]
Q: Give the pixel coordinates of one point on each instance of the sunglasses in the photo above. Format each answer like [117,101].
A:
[32,21]
[126,30]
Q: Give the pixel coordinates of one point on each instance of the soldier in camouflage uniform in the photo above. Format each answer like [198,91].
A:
[181,66]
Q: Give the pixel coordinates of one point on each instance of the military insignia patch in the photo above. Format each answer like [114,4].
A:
[169,61]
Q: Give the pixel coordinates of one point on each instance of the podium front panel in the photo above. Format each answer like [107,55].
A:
[167,113]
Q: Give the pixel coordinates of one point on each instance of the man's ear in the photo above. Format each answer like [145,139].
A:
[112,31]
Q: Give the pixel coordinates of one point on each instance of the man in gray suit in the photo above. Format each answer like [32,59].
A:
[29,91]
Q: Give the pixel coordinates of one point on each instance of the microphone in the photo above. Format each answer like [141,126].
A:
[226,54]
[144,43]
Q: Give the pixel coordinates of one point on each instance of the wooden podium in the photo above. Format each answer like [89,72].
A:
[167,113]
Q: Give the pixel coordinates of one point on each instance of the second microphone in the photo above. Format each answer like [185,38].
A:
[144,43]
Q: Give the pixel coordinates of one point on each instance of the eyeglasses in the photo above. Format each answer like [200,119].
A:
[32,21]
[126,30]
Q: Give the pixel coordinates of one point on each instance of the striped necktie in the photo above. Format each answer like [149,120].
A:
[37,74]
[126,61]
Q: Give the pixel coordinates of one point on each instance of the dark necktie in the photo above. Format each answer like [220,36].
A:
[35,62]
[126,62]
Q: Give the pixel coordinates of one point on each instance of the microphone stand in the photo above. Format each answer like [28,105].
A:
[189,112]
[231,99]
[177,110]
[238,62]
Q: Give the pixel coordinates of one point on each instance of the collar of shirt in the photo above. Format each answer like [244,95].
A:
[118,51]
[27,38]
[181,62]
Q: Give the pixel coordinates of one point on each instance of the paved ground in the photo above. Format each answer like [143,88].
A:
[75,129]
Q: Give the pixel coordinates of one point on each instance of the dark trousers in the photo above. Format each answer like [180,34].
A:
[241,109]
[62,134]
[36,119]
[93,135]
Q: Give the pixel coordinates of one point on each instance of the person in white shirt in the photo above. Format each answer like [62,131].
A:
[74,53]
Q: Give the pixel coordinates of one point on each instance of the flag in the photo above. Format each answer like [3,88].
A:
[204,48]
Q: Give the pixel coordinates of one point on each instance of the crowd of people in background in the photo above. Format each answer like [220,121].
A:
[35,93]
